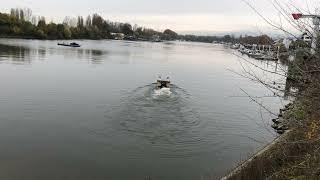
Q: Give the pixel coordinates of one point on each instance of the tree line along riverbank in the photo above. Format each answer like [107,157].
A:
[21,23]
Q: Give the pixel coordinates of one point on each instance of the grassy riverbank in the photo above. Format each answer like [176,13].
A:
[296,154]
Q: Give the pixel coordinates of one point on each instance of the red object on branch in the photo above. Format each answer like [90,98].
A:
[296,16]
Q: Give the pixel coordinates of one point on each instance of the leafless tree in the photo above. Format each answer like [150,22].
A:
[299,152]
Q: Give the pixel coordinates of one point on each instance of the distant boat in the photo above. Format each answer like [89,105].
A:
[73,44]
[157,40]
[235,46]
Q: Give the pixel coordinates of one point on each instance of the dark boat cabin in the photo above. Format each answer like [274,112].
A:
[163,84]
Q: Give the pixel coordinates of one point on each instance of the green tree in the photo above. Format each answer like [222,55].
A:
[42,23]
[80,23]
[40,34]
[169,34]
[66,32]
[97,20]
[126,29]
[52,31]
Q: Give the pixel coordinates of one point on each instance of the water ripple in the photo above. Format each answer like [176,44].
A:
[165,121]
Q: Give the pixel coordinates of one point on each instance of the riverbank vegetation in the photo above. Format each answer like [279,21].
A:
[21,23]
[296,154]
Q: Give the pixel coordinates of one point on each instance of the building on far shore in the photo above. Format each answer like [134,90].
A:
[306,38]
[117,36]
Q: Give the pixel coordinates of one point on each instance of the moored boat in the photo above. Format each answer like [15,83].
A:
[73,44]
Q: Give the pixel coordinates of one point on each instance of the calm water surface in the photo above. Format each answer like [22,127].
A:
[92,112]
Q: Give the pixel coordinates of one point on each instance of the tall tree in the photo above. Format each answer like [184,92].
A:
[126,29]
[97,20]
[42,23]
[80,22]
[27,14]
[88,21]
[21,15]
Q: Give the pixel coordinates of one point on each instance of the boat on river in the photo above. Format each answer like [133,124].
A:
[73,44]
[163,83]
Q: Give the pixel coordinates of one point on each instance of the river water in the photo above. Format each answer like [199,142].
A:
[92,112]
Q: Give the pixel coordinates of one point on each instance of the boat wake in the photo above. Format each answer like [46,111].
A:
[164,120]
[161,92]
[155,114]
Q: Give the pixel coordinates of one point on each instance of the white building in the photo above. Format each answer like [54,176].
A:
[118,36]
[287,42]
[306,38]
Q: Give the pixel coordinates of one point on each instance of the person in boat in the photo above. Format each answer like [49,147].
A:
[163,83]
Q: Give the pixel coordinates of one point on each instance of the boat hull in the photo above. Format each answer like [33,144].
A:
[68,45]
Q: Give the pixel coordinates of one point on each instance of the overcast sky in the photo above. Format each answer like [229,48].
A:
[180,15]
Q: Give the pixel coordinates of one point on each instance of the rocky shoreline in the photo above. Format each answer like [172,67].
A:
[281,124]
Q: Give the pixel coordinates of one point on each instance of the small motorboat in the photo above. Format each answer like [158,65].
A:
[163,83]
[73,44]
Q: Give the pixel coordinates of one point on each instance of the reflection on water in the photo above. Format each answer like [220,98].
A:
[162,119]
[96,56]
[64,117]
[16,54]
[25,54]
